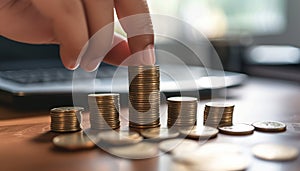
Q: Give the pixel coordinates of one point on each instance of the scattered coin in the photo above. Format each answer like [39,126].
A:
[237,129]
[159,133]
[74,141]
[119,137]
[214,156]
[178,146]
[141,150]
[66,119]
[144,96]
[218,114]
[221,162]
[200,132]
[275,152]
[182,111]
[269,126]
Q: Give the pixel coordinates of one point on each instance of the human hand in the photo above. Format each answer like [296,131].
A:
[73,23]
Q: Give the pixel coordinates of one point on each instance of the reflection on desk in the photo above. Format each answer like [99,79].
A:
[26,140]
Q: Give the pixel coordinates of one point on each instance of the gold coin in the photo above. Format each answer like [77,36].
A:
[66,109]
[237,129]
[275,152]
[159,133]
[141,150]
[74,141]
[120,137]
[200,132]
[178,146]
[269,126]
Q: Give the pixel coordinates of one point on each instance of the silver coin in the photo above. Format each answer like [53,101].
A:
[270,126]
[200,132]
[237,129]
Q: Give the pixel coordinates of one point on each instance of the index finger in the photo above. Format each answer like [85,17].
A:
[136,21]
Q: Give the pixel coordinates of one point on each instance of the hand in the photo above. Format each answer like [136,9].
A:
[71,24]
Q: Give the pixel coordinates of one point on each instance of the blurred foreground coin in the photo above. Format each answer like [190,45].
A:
[159,133]
[200,132]
[119,137]
[178,145]
[74,141]
[141,150]
[215,156]
[275,152]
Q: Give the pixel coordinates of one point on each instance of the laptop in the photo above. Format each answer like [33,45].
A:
[32,76]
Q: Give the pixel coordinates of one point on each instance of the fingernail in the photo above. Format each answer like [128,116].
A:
[72,66]
[92,66]
[149,55]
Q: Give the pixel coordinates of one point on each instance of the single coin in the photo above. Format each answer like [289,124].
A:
[182,99]
[159,133]
[200,132]
[137,151]
[221,162]
[237,129]
[178,145]
[219,105]
[74,141]
[120,137]
[275,152]
[67,109]
[215,156]
[269,126]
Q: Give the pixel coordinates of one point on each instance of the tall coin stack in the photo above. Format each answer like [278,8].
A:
[182,111]
[218,114]
[144,97]
[66,119]
[104,111]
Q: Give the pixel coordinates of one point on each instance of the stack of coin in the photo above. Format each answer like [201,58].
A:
[144,97]
[218,114]
[104,111]
[66,119]
[182,111]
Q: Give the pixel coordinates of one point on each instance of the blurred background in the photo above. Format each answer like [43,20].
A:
[256,37]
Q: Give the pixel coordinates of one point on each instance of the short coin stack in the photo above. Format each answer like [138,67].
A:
[218,114]
[144,97]
[66,119]
[182,111]
[104,111]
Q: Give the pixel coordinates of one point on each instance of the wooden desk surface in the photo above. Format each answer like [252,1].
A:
[25,140]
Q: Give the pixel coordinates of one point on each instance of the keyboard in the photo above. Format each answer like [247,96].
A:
[44,75]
